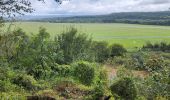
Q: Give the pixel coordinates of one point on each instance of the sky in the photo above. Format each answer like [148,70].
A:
[97,7]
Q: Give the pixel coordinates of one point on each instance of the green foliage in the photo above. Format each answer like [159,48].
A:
[62,70]
[101,50]
[155,63]
[125,88]
[84,72]
[5,86]
[26,81]
[99,90]
[36,55]
[75,46]
[3,73]
[42,58]
[117,50]
[5,80]
[103,76]
[136,61]
[9,43]
[154,86]
[12,96]
[162,46]
[101,86]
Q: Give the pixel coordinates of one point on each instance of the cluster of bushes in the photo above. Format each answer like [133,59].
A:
[30,59]
[32,64]
[38,55]
[142,60]
[162,46]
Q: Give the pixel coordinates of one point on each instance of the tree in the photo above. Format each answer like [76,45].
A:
[75,46]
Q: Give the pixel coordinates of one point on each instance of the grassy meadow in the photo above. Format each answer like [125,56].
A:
[129,35]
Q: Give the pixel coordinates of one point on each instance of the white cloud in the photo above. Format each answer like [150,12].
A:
[99,6]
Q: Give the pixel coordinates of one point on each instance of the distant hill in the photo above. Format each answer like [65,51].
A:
[152,18]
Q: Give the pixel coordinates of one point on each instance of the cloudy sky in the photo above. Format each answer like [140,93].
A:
[88,7]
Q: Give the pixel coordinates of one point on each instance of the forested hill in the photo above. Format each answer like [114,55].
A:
[153,18]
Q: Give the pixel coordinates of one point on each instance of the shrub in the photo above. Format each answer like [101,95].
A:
[101,50]
[103,76]
[101,86]
[25,81]
[117,50]
[154,86]
[116,61]
[84,72]
[39,71]
[162,46]
[75,46]
[124,88]
[5,86]
[62,70]
[12,96]
[3,73]
[155,63]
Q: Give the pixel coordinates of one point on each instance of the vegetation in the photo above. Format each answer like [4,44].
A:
[147,18]
[163,46]
[117,50]
[84,72]
[125,88]
[129,35]
[74,66]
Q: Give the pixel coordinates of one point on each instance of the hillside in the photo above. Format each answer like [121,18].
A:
[150,18]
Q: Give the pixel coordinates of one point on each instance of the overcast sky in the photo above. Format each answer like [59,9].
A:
[88,7]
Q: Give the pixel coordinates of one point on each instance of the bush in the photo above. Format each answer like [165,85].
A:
[155,63]
[75,46]
[84,72]
[101,50]
[5,86]
[162,46]
[103,76]
[62,70]
[117,50]
[101,87]
[124,88]
[12,96]
[25,81]
[154,86]
[39,71]
[3,73]
[117,61]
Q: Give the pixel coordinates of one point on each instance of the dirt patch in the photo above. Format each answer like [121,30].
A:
[112,70]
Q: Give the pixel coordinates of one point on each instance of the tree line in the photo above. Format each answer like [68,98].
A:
[147,18]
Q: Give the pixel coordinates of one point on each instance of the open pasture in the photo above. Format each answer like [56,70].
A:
[129,35]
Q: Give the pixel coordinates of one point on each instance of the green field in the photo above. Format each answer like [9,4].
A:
[129,35]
